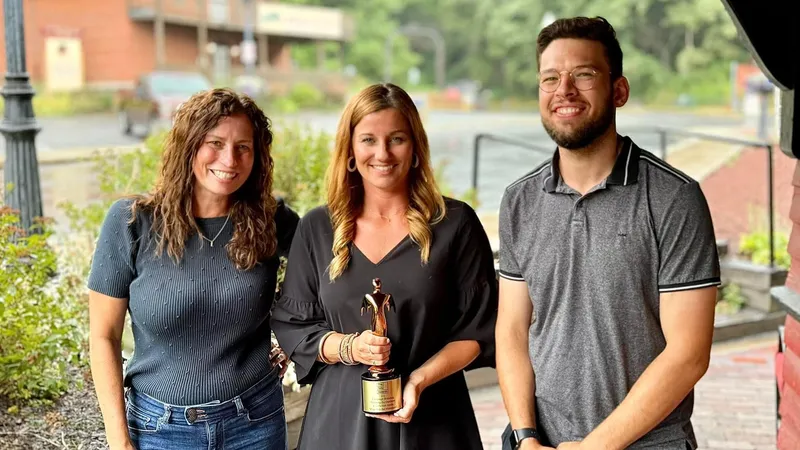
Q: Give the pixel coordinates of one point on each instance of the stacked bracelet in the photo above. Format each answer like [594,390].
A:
[322,345]
[346,349]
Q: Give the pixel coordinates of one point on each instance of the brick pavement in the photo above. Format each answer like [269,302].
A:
[734,402]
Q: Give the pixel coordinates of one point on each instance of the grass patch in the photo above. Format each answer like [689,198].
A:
[59,104]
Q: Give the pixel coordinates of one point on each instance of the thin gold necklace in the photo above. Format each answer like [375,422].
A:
[390,216]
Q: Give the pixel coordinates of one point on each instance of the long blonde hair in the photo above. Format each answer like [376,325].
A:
[170,202]
[346,190]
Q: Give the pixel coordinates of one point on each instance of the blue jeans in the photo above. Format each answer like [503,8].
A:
[253,420]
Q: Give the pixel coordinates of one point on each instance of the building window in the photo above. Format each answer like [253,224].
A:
[218,11]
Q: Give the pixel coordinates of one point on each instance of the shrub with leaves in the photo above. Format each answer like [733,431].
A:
[118,174]
[42,319]
[301,159]
[731,299]
[755,246]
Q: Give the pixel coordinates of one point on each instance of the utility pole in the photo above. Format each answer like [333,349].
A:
[249,51]
[19,127]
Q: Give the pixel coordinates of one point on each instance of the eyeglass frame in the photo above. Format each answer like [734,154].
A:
[595,72]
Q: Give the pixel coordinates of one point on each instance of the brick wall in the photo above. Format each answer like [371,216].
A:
[181,45]
[741,207]
[115,49]
[789,433]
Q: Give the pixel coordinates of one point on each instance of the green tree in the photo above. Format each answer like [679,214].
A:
[668,44]
[374,22]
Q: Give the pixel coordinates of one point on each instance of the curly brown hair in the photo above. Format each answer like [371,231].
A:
[170,202]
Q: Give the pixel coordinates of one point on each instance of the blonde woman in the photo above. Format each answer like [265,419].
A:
[195,264]
[385,218]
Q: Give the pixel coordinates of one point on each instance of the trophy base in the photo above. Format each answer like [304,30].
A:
[381,393]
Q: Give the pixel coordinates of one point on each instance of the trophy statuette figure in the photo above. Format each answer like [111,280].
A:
[381,390]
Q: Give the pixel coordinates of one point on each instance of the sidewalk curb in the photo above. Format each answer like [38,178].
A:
[744,328]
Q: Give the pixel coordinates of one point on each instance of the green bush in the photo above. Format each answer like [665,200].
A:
[306,95]
[731,299]
[706,87]
[302,96]
[119,174]
[755,246]
[280,105]
[42,318]
[301,159]
[48,104]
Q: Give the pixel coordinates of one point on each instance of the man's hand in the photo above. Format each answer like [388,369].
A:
[570,446]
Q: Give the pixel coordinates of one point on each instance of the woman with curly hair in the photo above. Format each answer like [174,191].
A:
[385,218]
[195,263]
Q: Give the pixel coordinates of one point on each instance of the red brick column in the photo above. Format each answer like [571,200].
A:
[788,364]
[789,381]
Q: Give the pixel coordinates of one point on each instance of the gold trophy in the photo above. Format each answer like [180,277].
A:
[381,391]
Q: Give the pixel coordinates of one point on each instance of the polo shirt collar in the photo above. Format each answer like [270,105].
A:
[625,171]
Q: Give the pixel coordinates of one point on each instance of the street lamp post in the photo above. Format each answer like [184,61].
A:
[416,30]
[19,127]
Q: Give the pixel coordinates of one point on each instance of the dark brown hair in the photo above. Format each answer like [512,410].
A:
[592,29]
[170,202]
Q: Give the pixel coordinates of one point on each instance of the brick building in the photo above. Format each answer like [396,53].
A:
[73,44]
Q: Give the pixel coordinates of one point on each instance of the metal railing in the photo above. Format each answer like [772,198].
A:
[502,139]
[663,133]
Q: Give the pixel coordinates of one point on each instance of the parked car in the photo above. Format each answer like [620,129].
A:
[154,100]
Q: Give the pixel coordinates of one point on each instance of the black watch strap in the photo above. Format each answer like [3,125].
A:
[523,433]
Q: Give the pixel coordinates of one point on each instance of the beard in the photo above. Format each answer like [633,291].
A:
[584,136]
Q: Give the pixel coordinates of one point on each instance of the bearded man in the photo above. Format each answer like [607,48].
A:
[609,269]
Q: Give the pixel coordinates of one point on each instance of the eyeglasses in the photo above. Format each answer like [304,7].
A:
[582,78]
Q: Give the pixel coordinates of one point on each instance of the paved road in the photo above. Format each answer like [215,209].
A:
[451,136]
[734,402]
[500,164]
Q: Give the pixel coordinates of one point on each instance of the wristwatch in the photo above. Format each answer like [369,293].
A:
[520,434]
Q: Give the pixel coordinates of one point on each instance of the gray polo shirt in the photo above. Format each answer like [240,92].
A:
[595,266]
